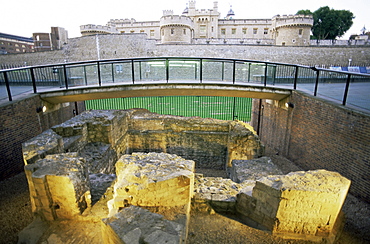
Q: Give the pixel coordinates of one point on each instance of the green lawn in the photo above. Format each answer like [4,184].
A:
[224,108]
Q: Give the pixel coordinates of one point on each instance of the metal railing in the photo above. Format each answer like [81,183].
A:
[347,88]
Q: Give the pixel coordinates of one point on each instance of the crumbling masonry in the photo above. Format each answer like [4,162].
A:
[129,175]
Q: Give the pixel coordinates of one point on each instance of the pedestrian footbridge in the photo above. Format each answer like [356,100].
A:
[181,76]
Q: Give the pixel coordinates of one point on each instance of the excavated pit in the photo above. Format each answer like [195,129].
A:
[103,166]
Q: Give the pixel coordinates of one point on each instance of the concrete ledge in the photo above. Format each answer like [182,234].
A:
[169,89]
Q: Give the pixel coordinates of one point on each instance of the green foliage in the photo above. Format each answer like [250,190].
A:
[329,23]
[305,12]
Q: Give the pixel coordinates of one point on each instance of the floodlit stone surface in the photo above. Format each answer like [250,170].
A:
[303,205]
[102,163]
[59,186]
[137,225]
[253,169]
[154,180]
[217,192]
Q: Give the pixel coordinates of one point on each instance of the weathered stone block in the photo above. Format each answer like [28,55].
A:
[137,225]
[154,179]
[253,169]
[300,205]
[59,186]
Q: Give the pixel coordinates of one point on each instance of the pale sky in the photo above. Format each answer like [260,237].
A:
[24,17]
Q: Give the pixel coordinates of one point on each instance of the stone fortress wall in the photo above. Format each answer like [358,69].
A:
[100,47]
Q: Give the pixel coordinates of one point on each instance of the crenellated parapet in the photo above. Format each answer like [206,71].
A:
[176,20]
[91,29]
[279,21]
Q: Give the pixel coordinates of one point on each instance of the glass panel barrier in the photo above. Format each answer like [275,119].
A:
[76,76]
[257,73]
[331,85]
[91,77]
[187,70]
[306,80]
[122,72]
[358,92]
[151,70]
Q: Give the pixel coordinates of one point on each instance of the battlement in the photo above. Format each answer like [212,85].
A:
[98,29]
[292,20]
[178,20]
[167,12]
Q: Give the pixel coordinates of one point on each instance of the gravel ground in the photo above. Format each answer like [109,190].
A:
[15,214]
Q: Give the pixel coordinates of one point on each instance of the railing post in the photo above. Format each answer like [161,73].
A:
[99,75]
[201,70]
[133,71]
[249,72]
[234,68]
[265,81]
[65,75]
[8,86]
[85,75]
[316,82]
[346,90]
[295,78]
[33,80]
[223,71]
[112,66]
[140,77]
[167,70]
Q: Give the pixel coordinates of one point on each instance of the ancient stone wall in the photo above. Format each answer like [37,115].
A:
[211,143]
[317,134]
[20,122]
[64,165]
[130,46]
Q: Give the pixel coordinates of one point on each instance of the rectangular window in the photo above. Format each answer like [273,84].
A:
[233,31]
[223,31]
[300,31]
[132,31]
[244,31]
[202,29]
[184,31]
[172,31]
[265,31]
[141,31]
[255,31]
[122,32]
[151,33]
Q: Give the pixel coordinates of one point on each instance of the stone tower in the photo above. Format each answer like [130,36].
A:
[292,30]
[176,29]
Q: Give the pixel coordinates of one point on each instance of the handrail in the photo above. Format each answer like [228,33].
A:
[164,69]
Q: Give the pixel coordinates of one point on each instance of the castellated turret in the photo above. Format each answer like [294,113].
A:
[175,29]
[292,30]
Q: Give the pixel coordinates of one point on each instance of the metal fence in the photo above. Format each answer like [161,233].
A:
[346,88]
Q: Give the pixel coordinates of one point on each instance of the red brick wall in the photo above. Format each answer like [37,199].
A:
[20,122]
[317,134]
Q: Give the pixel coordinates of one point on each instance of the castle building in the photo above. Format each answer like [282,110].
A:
[195,26]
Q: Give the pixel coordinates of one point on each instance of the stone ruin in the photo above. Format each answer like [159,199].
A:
[128,176]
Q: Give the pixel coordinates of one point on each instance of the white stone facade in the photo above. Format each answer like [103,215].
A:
[194,24]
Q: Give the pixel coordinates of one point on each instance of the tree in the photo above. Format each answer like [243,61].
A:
[305,12]
[330,24]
